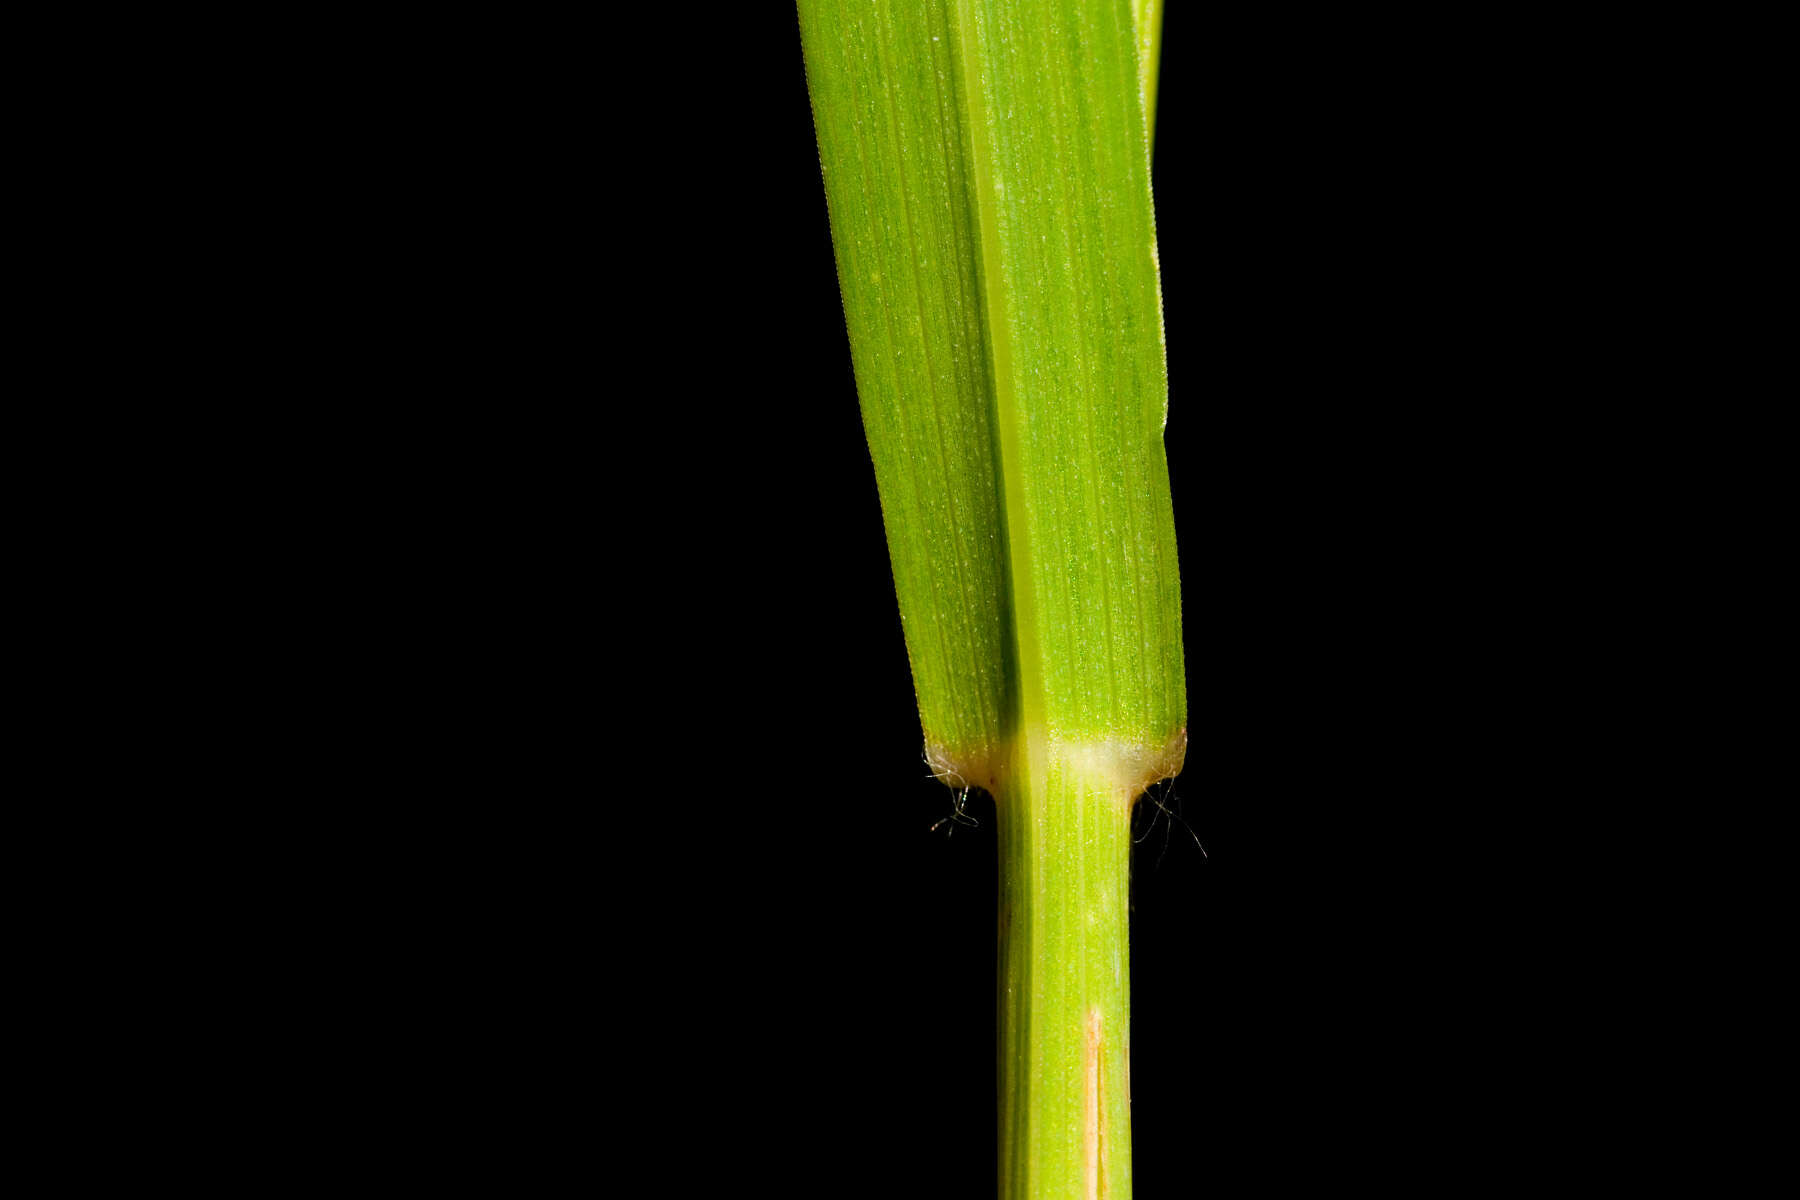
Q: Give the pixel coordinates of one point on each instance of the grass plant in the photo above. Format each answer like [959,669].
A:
[987,173]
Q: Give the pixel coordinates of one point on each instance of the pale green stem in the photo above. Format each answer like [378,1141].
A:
[1065,1011]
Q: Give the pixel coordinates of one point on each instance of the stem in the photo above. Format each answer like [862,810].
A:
[1065,1096]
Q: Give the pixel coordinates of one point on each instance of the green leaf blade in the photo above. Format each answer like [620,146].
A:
[1081,388]
[987,171]
[891,144]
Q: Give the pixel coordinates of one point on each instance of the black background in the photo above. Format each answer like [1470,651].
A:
[557,809]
